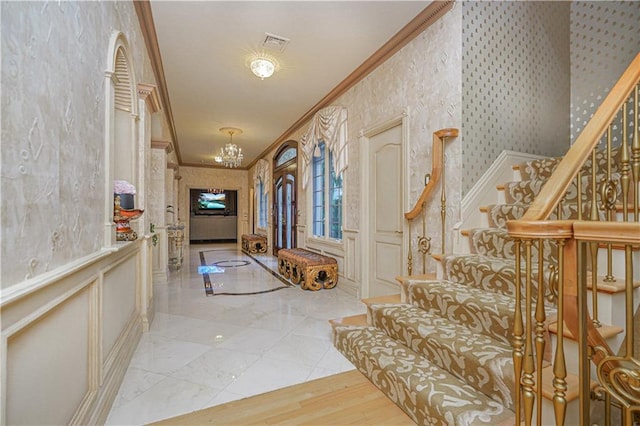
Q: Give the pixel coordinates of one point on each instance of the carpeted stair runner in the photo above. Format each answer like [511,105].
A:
[428,394]
[445,356]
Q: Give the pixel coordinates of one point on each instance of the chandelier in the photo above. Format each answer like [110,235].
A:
[230,155]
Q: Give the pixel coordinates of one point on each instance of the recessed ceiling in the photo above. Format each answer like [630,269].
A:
[206,46]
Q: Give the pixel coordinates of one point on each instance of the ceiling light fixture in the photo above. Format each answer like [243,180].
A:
[263,67]
[230,155]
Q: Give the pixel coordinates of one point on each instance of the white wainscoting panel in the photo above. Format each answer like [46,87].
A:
[68,336]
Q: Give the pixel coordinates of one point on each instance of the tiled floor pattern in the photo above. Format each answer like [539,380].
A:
[203,351]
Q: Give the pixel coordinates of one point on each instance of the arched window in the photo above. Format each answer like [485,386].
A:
[326,195]
[261,179]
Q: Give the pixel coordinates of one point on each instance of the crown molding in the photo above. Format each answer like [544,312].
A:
[148,28]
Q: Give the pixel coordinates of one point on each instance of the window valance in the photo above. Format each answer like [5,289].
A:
[328,125]
[262,173]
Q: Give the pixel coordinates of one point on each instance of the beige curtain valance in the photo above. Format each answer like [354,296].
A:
[328,125]
[262,173]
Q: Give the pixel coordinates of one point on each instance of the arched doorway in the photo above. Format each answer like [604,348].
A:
[285,194]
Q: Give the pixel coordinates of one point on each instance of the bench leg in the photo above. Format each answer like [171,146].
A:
[317,277]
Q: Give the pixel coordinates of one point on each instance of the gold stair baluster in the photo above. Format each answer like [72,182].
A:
[518,335]
[540,319]
[625,167]
[528,381]
[635,157]
[559,362]
[410,255]
[424,234]
[443,198]
[594,246]
[608,200]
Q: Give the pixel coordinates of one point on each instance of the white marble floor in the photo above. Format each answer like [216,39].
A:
[207,350]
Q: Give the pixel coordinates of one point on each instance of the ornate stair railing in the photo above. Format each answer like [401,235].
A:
[431,181]
[603,238]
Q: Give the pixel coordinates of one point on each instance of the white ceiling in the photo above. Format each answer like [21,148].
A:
[205,46]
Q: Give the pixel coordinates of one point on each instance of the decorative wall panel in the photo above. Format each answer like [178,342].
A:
[515,81]
[54,55]
[605,37]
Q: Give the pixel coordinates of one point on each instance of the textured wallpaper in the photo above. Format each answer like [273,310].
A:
[515,81]
[54,57]
[423,78]
[605,38]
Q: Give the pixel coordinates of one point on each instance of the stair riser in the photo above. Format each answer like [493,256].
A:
[572,354]
[618,262]
[611,310]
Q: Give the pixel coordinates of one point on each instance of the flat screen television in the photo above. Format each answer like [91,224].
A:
[208,202]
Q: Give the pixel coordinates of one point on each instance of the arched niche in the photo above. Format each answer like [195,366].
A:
[121,124]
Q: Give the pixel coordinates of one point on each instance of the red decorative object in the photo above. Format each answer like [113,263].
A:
[122,217]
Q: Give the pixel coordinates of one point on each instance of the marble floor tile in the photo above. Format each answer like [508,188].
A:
[208,350]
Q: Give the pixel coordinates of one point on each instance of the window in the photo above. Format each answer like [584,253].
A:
[326,196]
[262,205]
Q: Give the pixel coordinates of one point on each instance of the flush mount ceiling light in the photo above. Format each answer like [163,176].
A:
[263,67]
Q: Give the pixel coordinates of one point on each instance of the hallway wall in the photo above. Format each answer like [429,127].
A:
[72,309]
[422,81]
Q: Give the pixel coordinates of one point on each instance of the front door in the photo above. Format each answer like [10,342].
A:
[284,197]
[385,211]
[285,212]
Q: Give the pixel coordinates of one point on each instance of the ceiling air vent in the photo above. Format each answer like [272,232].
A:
[274,42]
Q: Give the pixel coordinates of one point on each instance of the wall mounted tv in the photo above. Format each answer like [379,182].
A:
[213,202]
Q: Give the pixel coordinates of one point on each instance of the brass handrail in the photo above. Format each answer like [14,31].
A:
[431,181]
[437,152]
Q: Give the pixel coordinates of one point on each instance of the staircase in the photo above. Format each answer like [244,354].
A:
[481,344]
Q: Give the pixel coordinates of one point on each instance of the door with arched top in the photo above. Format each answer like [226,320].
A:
[285,169]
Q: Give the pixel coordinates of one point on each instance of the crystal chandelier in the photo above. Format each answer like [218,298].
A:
[230,155]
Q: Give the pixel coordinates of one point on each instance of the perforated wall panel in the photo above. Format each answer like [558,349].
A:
[515,81]
[605,37]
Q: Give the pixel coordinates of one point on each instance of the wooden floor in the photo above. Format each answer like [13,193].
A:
[343,399]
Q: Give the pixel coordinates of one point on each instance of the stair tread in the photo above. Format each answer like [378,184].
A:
[405,279]
[392,298]
[617,286]
[606,331]
[573,385]
[360,319]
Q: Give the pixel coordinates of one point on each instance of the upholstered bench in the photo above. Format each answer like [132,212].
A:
[311,270]
[254,243]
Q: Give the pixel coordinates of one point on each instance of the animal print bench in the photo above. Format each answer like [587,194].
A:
[254,243]
[311,270]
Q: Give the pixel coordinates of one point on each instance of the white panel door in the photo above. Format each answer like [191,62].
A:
[385,211]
